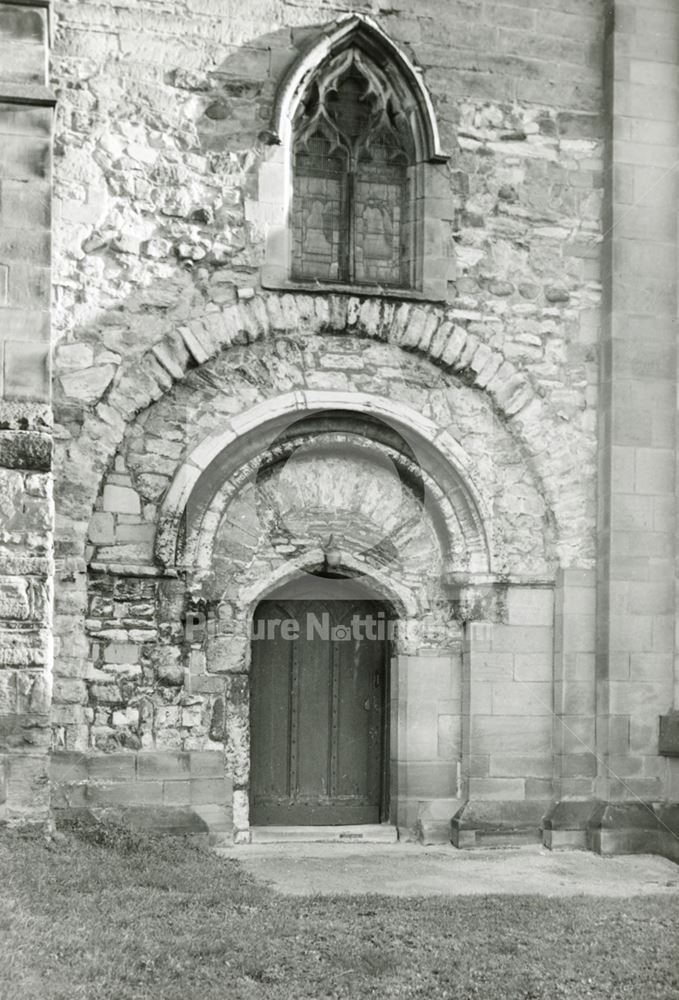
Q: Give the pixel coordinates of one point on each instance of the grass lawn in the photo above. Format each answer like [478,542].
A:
[155,918]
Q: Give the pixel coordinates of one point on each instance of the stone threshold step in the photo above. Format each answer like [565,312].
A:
[378,833]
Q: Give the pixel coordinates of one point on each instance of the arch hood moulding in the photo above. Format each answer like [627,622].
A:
[427,256]
[365,35]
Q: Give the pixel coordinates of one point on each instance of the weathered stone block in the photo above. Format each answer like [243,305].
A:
[519,765]
[668,741]
[169,766]
[522,639]
[167,723]
[28,784]
[522,698]
[208,791]
[121,500]
[23,158]
[579,765]
[106,693]
[536,667]
[70,690]
[15,602]
[623,828]
[66,795]
[497,823]
[493,666]
[177,793]
[511,734]
[192,716]
[135,532]
[430,779]
[417,737]
[26,369]
[22,25]
[169,665]
[565,824]
[529,607]
[124,793]
[68,766]
[89,385]
[505,789]
[3,779]
[111,767]
[25,206]
[121,652]
[575,698]
[101,529]
[449,737]
[206,763]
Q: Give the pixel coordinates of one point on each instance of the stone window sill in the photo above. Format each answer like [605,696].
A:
[360,291]
[27,93]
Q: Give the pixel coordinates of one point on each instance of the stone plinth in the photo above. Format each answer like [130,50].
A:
[160,791]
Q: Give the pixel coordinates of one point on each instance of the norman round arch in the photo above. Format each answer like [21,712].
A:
[426,439]
[195,690]
[550,448]
[197,538]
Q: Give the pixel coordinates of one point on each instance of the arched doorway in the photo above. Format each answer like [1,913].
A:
[259,501]
[319,701]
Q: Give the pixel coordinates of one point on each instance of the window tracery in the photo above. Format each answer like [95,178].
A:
[352,211]
[353,193]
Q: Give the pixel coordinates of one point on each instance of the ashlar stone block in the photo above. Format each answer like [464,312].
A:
[26,371]
[528,606]
[101,529]
[121,500]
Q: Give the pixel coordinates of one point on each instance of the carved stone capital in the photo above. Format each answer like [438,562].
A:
[475,596]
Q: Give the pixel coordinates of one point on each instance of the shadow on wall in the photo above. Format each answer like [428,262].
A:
[165,278]
[175,246]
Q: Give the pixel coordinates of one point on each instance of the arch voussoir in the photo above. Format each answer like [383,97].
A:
[426,328]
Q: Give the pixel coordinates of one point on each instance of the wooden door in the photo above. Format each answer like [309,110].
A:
[317,713]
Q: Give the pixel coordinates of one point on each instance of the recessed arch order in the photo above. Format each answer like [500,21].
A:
[439,455]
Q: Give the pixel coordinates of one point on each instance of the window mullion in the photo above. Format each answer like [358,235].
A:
[351,209]
[350,226]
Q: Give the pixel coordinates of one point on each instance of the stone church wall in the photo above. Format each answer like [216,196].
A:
[549,357]
[162,199]
[163,183]
[163,189]
[26,509]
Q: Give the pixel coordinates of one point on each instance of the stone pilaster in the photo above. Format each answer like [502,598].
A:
[637,526]
[425,736]
[507,711]
[574,740]
[26,512]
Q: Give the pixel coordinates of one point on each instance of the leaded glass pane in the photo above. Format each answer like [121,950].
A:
[379,205]
[350,205]
[317,215]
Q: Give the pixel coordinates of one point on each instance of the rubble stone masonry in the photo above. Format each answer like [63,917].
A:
[165,186]
[545,364]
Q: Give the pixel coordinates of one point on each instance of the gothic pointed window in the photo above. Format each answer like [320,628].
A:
[352,208]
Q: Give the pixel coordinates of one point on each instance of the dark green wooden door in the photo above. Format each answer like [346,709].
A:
[317,713]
